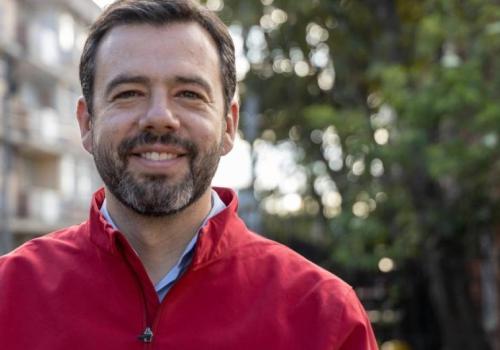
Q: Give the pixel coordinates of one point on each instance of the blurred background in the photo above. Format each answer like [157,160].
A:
[369,143]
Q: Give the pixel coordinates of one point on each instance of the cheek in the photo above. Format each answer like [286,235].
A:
[105,143]
[211,137]
[111,128]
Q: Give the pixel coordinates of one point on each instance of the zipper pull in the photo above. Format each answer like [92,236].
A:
[147,335]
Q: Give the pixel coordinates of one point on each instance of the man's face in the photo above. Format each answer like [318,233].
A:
[158,127]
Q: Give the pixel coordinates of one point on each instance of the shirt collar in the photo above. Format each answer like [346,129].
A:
[217,206]
[167,281]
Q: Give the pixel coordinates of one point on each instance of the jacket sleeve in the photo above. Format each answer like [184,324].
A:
[355,332]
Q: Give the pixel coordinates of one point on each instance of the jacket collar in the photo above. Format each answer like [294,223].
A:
[213,240]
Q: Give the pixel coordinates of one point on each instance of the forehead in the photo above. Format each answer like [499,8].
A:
[157,52]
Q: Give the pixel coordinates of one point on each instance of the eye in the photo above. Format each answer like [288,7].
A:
[128,94]
[190,95]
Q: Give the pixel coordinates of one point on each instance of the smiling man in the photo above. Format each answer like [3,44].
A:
[164,262]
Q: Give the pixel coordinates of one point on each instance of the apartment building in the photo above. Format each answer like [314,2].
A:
[46,178]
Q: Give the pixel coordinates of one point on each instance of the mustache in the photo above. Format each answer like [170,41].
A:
[148,138]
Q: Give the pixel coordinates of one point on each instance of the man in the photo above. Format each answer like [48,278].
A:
[164,262]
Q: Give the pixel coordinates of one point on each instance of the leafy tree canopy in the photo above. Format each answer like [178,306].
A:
[393,108]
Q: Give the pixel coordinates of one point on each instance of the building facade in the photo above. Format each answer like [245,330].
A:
[46,177]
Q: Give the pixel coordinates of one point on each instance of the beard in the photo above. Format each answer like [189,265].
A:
[154,195]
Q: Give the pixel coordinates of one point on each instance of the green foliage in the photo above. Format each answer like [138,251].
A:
[319,116]
[427,74]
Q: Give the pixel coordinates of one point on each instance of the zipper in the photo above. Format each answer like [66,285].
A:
[128,254]
[146,336]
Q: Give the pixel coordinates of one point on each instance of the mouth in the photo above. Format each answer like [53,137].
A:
[158,152]
[158,159]
[157,156]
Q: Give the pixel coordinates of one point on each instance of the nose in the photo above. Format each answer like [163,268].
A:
[159,116]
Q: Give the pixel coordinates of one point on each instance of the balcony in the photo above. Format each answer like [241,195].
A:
[8,22]
[41,131]
[41,210]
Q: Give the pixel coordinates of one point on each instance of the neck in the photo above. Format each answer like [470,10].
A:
[159,241]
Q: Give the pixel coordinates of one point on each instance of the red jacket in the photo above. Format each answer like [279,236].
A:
[84,287]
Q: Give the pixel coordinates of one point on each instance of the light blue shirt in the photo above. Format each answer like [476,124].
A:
[164,285]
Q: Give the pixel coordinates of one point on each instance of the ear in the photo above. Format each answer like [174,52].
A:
[231,126]
[85,124]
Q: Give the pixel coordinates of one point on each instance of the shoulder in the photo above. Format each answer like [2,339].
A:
[47,249]
[316,296]
[257,246]
[230,247]
[283,268]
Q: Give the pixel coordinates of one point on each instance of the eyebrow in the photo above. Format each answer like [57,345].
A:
[125,79]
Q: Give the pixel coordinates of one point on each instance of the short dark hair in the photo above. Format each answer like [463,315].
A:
[157,13]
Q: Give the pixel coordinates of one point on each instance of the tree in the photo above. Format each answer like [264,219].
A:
[391,108]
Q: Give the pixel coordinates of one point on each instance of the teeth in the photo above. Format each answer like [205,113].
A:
[157,156]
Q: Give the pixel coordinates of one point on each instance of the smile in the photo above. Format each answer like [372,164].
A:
[158,156]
